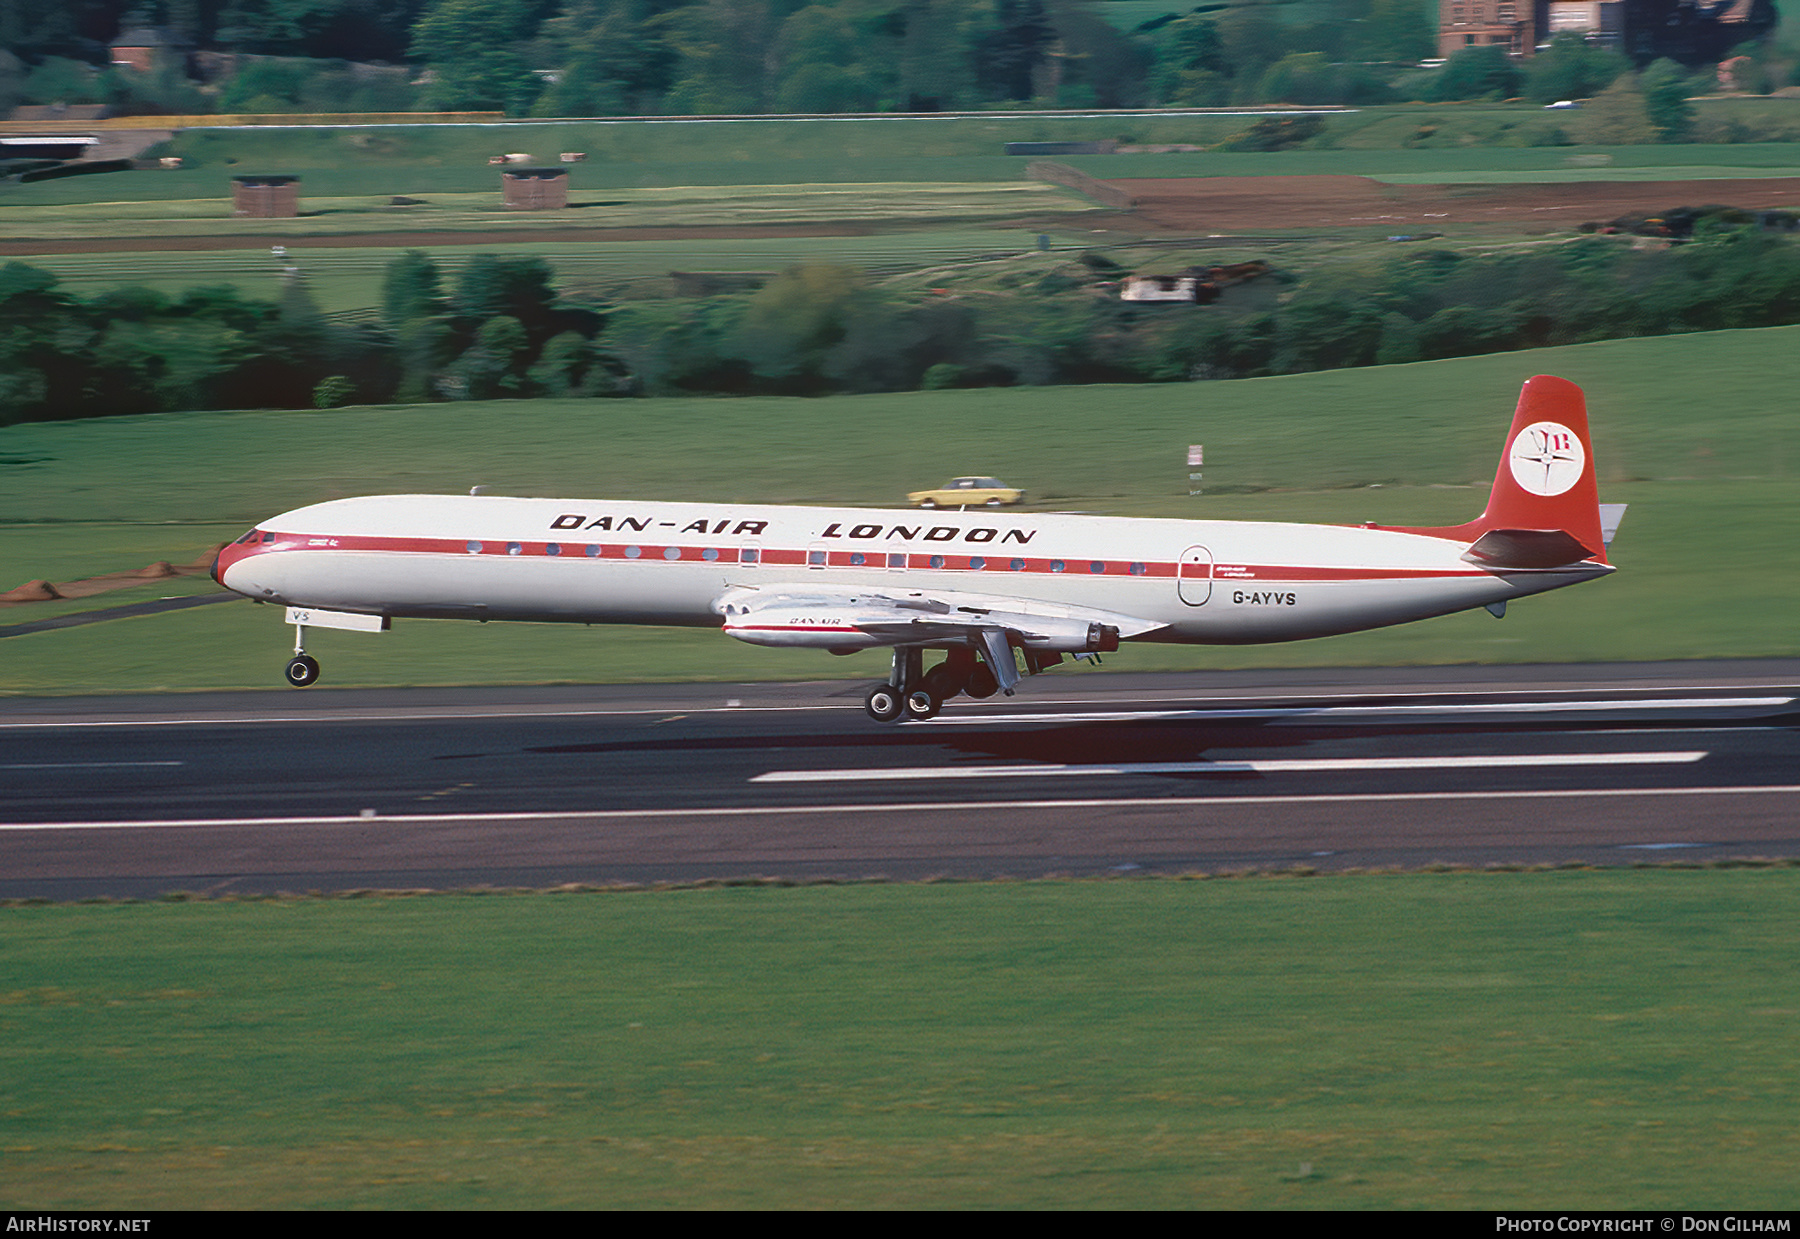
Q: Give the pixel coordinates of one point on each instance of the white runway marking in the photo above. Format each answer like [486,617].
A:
[914,807]
[1291,766]
[84,765]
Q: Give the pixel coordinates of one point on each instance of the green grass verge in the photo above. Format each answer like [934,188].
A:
[350,278]
[936,204]
[1567,1040]
[1693,431]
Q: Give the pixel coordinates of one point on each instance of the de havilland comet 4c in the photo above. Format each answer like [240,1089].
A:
[999,595]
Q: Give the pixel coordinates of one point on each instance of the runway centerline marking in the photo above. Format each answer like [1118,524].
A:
[1287,766]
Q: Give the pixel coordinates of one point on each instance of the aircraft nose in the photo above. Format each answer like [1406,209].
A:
[228,556]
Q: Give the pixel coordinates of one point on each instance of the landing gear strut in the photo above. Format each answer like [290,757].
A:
[912,692]
[302,669]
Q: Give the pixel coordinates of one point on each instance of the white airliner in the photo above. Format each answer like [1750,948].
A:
[991,591]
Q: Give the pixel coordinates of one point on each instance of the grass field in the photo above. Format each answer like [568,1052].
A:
[890,205]
[1693,431]
[350,278]
[1565,1040]
[425,160]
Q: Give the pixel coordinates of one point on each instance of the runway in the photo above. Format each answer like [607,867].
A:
[1081,773]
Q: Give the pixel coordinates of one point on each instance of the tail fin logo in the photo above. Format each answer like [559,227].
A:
[1546,458]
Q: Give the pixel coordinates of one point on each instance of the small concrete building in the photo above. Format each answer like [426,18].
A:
[535,189]
[265,197]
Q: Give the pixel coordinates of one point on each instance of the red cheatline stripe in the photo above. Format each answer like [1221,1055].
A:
[791,628]
[999,564]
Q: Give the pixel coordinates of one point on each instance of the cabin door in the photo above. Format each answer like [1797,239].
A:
[1193,576]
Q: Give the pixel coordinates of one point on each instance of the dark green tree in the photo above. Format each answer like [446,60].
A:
[1397,31]
[939,51]
[470,46]
[828,64]
[791,324]
[612,57]
[725,48]
[521,288]
[410,290]
[1193,67]
[1570,69]
[1665,86]
[1477,73]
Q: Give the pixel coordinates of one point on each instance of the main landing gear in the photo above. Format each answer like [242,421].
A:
[912,692]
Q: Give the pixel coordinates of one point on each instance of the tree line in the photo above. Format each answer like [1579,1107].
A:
[818,330]
[498,331]
[620,57]
[501,330]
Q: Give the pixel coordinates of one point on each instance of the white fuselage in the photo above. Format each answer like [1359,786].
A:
[602,561]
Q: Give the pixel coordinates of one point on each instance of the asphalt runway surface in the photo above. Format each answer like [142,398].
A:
[1080,773]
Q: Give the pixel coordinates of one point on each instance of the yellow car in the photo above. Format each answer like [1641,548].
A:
[967,493]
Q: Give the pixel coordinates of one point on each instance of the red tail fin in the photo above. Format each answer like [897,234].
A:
[1545,484]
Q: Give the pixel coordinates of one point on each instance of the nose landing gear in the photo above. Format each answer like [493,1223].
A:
[302,669]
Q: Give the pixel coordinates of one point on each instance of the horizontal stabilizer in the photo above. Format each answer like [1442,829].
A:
[1610,516]
[1526,549]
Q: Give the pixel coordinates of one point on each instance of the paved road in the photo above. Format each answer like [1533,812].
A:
[1078,774]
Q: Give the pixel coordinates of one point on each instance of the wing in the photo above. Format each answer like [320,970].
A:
[844,621]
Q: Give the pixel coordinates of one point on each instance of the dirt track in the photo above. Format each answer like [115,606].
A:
[1258,204]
